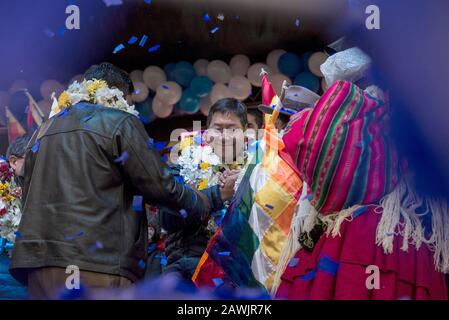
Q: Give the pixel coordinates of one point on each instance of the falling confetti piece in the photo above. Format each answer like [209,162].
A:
[163,261]
[62,31]
[80,234]
[224,253]
[49,33]
[69,238]
[206,17]
[220,17]
[150,143]
[183,213]
[123,158]
[218,282]
[18,234]
[118,48]
[269,206]
[293,262]
[138,203]
[99,245]
[297,23]
[143,40]
[142,264]
[137,91]
[110,3]
[154,48]
[133,40]
[197,140]
[35,147]
[165,87]
[214,30]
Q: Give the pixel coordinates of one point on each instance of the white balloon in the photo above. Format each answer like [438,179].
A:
[153,76]
[141,92]
[200,67]
[136,76]
[239,65]
[277,80]
[169,93]
[50,86]
[205,105]
[273,59]
[219,91]
[161,109]
[315,61]
[254,73]
[240,87]
[219,72]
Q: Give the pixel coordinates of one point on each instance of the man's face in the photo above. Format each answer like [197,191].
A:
[16,164]
[252,124]
[226,136]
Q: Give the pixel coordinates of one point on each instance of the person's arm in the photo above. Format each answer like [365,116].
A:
[143,166]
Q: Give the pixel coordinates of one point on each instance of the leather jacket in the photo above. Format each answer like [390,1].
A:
[88,172]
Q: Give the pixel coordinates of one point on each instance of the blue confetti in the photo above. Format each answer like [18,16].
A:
[183,213]
[69,238]
[64,113]
[214,30]
[328,265]
[359,211]
[109,3]
[218,282]
[163,261]
[141,264]
[269,206]
[224,253]
[297,23]
[18,234]
[62,31]
[206,17]
[138,203]
[164,158]
[87,118]
[49,33]
[123,158]
[118,48]
[147,1]
[80,234]
[164,86]
[99,245]
[310,196]
[197,140]
[133,40]
[143,40]
[151,248]
[36,145]
[137,91]
[150,143]
[293,262]
[154,48]
[308,276]
[160,145]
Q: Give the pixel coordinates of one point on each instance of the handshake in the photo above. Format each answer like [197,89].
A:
[226,181]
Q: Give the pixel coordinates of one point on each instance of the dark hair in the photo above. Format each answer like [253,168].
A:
[113,75]
[258,117]
[229,105]
[18,147]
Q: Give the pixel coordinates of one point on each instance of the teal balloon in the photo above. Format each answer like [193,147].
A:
[145,110]
[169,69]
[308,80]
[290,64]
[201,86]
[189,101]
[184,73]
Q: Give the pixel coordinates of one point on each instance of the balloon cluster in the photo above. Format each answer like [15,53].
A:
[191,88]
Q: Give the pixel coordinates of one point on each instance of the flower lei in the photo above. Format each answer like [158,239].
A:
[199,167]
[92,91]
[10,203]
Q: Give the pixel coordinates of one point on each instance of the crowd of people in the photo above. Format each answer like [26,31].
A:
[98,196]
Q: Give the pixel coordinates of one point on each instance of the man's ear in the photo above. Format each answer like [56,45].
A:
[12,161]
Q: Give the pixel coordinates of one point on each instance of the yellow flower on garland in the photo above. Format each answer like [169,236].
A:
[4,193]
[95,85]
[203,184]
[204,165]
[64,101]
[187,142]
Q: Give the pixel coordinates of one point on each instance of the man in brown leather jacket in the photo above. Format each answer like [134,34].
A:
[88,172]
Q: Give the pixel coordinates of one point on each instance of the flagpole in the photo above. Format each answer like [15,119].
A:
[41,114]
[276,111]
